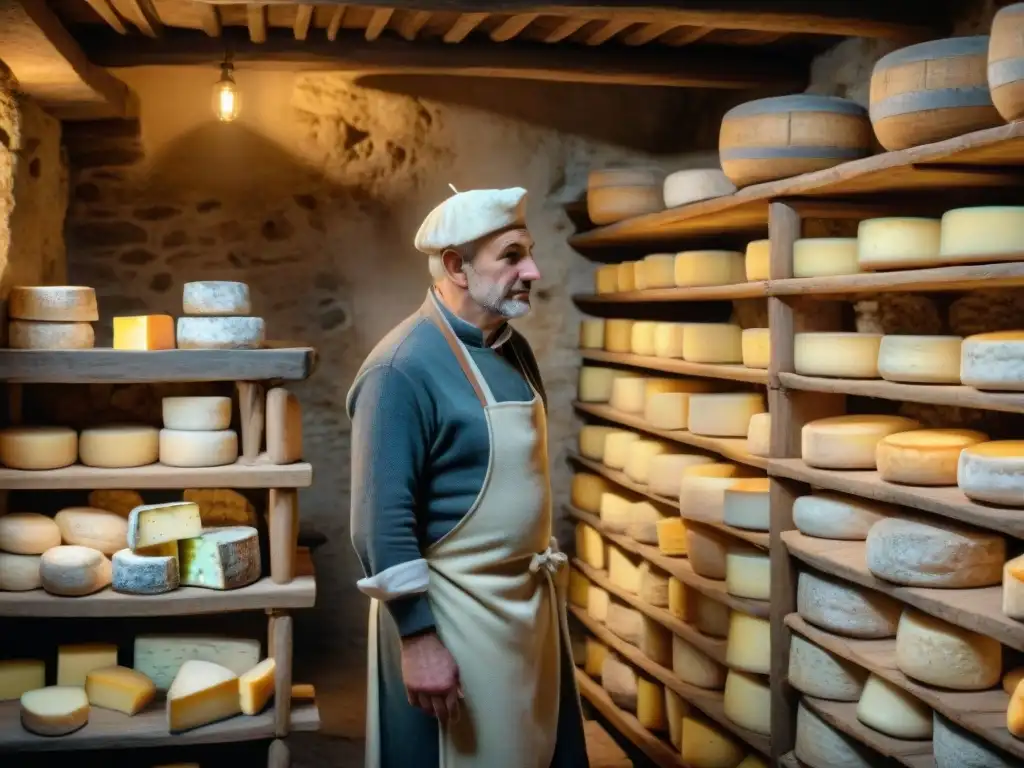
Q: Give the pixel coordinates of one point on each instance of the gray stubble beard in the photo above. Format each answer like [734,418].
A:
[492,297]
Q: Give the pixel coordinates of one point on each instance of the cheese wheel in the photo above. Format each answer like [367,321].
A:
[819,745]
[712,343]
[657,270]
[954,747]
[579,589]
[628,394]
[586,491]
[655,641]
[598,602]
[668,410]
[623,570]
[748,573]
[695,667]
[665,474]
[1012,679]
[653,585]
[848,442]
[757,260]
[825,256]
[748,702]
[596,383]
[993,361]
[993,472]
[746,504]
[642,340]
[898,243]
[710,616]
[592,333]
[220,332]
[692,185]
[819,673]
[19,573]
[215,298]
[703,497]
[834,516]
[643,522]
[759,434]
[606,279]
[668,340]
[1013,588]
[700,268]
[149,574]
[595,656]
[53,303]
[893,711]
[38,447]
[924,456]
[838,355]
[756,347]
[978,234]
[749,647]
[679,604]
[29,334]
[639,456]
[650,704]
[1004,68]
[616,448]
[706,549]
[592,439]
[179,448]
[95,528]
[705,745]
[672,537]
[618,335]
[937,653]
[848,610]
[118,446]
[590,546]
[196,413]
[725,414]
[624,622]
[619,681]
[676,708]
[920,359]
[28,533]
[621,193]
[73,571]
[625,279]
[54,710]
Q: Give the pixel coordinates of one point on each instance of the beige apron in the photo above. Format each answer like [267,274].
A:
[497,590]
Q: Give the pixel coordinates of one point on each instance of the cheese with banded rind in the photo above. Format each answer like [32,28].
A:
[256,686]
[121,689]
[819,673]
[75,662]
[827,515]
[837,355]
[678,602]
[118,446]
[676,708]
[695,184]
[38,447]
[920,359]
[848,610]
[748,573]
[18,676]
[220,332]
[579,589]
[848,442]
[892,711]
[145,574]
[746,504]
[759,434]
[924,456]
[672,537]
[620,682]
[95,528]
[625,277]
[659,270]
[587,489]
[606,279]
[181,448]
[706,549]
[159,657]
[898,243]
[724,414]
[993,361]
[756,347]
[993,472]
[73,571]
[819,745]
[930,552]
[144,332]
[595,656]
[19,573]
[668,340]
[616,448]
[971,234]
[708,746]
[700,268]
[590,546]
[937,653]
[53,303]
[29,334]
[748,702]
[215,298]
[643,522]
[666,472]
[756,260]
[825,256]
[954,747]
[220,558]
[154,524]
[642,340]
[712,343]
[592,333]
[749,645]
[653,585]
[202,693]
[623,570]
[695,667]
[196,413]
[710,616]
[639,456]
[592,439]
[118,501]
[54,711]
[28,533]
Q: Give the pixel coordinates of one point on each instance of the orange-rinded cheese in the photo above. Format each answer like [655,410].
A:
[144,332]
[924,456]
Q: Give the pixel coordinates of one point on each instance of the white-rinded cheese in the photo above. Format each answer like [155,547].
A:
[924,456]
[920,359]
[616,448]
[643,521]
[839,355]
[659,270]
[712,343]
[818,673]
[748,573]
[28,533]
[749,646]
[619,680]
[606,278]
[144,574]
[748,702]
[618,334]
[179,448]
[848,610]
[623,570]
[993,361]
[756,347]
[73,571]
[745,504]
[893,711]
[598,603]
[625,622]
[931,552]
[38,447]
[592,439]
[819,745]
[639,456]
[54,711]
[706,549]
[586,491]
[825,256]
[848,442]
[702,490]
[667,410]
[834,516]
[30,334]
[221,506]
[595,383]
[954,747]
[970,234]
[256,686]
[756,263]
[220,558]
[692,185]
[17,676]
[154,524]
[625,277]
[993,472]
[120,502]
[53,303]
[595,655]
[197,413]
[120,689]
[710,616]
[668,340]
[708,746]
[592,333]
[759,434]
[676,708]
[118,446]
[159,657]
[698,268]
[695,667]
[653,585]
[672,537]
[678,600]
[75,662]
[579,589]
[19,573]
[202,693]
[590,547]
[724,414]
[938,653]
[215,298]
[666,472]
[96,528]
[220,332]
[642,340]
[898,243]
[1013,588]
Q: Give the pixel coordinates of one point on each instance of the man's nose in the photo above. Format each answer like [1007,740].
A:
[528,270]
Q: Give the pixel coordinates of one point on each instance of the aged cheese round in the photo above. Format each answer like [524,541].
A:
[745,504]
[594,384]
[614,194]
[624,622]
[595,656]
[54,710]
[197,413]
[981,234]
[19,573]
[695,667]
[592,333]
[848,610]
[628,394]
[893,711]
[691,186]
[920,359]
[639,456]
[699,268]
[710,616]
[120,501]
[94,528]
[819,745]
[712,343]
[756,347]
[827,515]
[676,708]
[38,447]
[816,672]
[668,340]
[625,277]
[839,355]
[586,491]
[666,472]
[618,335]
[759,434]
[898,243]
[924,456]
[848,442]
[179,448]
[28,533]
[725,414]
[653,585]
[29,334]
[217,298]
[679,600]
[73,571]
[220,332]
[702,490]
[705,745]
[592,439]
[748,702]
[149,574]
[954,747]
[118,446]
[1006,62]
[825,256]
[757,259]
[606,279]
[993,472]
[993,361]
[937,653]
[749,647]
[590,546]
[614,512]
[642,340]
[667,410]
[53,303]
[619,680]
[616,448]
[659,270]
[748,573]
[706,549]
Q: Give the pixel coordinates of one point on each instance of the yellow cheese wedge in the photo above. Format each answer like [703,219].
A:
[256,687]
[144,332]
[202,693]
[672,537]
[121,689]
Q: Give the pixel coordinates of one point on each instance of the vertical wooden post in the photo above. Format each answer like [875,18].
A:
[278,756]
[283,526]
[281,629]
[251,403]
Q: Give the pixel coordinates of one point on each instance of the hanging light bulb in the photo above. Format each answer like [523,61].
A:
[227,101]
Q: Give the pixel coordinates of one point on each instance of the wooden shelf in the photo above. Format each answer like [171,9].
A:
[981,712]
[669,365]
[756,538]
[959,278]
[112,730]
[260,473]
[752,290]
[979,610]
[732,448]
[948,502]
[98,366]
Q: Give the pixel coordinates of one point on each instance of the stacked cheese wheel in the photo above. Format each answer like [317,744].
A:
[112,446]
[51,317]
[614,194]
[217,316]
[196,432]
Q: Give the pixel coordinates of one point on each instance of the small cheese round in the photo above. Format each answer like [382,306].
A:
[710,616]
[757,259]
[616,448]
[628,394]
[28,533]
[618,334]
[837,355]
[148,574]
[924,456]
[220,332]
[625,277]
[642,339]
[73,571]
[668,340]
[937,653]
[29,334]
[724,414]
[592,333]
[993,361]
[118,446]
[971,234]
[748,702]
[695,184]
[955,747]
[592,438]
[893,711]
[759,434]
[665,474]
[38,447]
[586,491]
[920,359]
[179,448]
[639,456]
[749,645]
[95,528]
[825,256]
[196,413]
[756,347]
[712,343]
[816,672]
[898,243]
[848,442]
[702,490]
[614,512]
[819,745]
[706,549]
[848,610]
[745,504]
[699,268]
[658,270]
[993,472]
[606,279]
[695,667]
[748,573]
[53,303]
[834,516]
[19,573]
[667,410]
[54,710]
[215,298]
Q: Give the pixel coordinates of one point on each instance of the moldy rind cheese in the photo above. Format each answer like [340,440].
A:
[924,456]
[937,653]
[920,359]
[837,355]
[215,298]
[993,472]
[848,442]
[819,745]
[848,610]
[826,515]
[29,334]
[993,361]
[817,672]
[53,303]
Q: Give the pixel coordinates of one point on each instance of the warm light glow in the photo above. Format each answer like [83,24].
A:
[226,98]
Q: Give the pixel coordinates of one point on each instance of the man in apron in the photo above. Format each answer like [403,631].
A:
[469,660]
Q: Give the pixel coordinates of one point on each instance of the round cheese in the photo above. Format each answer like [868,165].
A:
[614,199]
[834,516]
[1012,679]
[659,270]
[993,472]
[73,571]
[28,533]
[748,573]
[819,745]
[119,501]
[893,711]
[954,747]
[667,410]
[616,448]
[924,456]
[759,434]
[594,384]
[595,656]
[712,343]
[118,446]
[898,243]
[29,334]
[628,394]
[625,277]
[676,708]
[706,549]
[848,610]
[757,260]
[848,442]
[606,279]
[590,548]
[749,647]
[614,512]
[38,447]
[748,702]
[816,672]
[592,333]
[679,599]
[198,449]
[756,346]
[710,616]
[979,233]
[825,256]
[54,710]
[920,359]
[53,303]
[592,439]
[665,474]
[639,456]
[668,340]
[838,355]
[220,332]
[643,522]
[215,298]
[746,504]
[724,414]
[19,573]
[150,574]
[937,653]
[618,335]
[642,340]
[699,268]
[586,491]
[95,528]
[703,496]
[195,413]
[993,361]
[619,681]
[690,186]
[695,667]
[705,745]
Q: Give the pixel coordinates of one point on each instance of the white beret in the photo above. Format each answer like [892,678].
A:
[467,216]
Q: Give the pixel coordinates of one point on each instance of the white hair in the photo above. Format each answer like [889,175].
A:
[436,267]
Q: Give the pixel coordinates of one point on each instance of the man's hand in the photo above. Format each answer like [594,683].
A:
[431,676]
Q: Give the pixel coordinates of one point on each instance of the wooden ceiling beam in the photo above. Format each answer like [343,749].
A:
[210,19]
[146,18]
[106,12]
[463,25]
[256,16]
[378,23]
[303,18]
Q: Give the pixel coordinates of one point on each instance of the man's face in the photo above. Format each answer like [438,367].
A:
[501,273]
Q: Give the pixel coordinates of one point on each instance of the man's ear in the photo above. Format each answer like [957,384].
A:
[453,265]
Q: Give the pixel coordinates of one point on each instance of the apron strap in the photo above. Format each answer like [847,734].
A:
[459,352]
